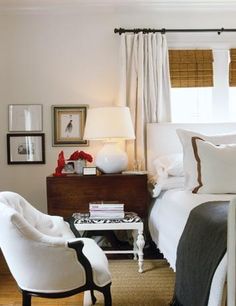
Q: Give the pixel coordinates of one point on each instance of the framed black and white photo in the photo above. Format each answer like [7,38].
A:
[25,148]
[69,167]
[25,117]
[68,125]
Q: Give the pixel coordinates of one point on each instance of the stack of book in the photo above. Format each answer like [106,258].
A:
[106,210]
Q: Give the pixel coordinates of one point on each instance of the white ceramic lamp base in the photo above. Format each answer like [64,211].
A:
[111,159]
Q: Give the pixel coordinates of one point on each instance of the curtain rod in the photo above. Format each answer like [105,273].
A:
[163,30]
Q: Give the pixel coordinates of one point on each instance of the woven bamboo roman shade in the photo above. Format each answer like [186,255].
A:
[232,68]
[191,68]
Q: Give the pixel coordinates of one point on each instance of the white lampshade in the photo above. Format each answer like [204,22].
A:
[110,124]
[107,123]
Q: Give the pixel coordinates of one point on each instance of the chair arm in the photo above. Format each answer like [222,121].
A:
[78,245]
[71,222]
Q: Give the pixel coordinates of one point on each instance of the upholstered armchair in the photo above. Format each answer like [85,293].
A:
[44,256]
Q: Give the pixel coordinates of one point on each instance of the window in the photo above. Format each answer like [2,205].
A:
[191,68]
[207,104]
[232,89]
[232,103]
[191,104]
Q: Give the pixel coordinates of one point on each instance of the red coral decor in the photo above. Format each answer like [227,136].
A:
[60,165]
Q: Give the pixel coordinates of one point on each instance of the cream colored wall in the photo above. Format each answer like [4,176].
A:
[71,57]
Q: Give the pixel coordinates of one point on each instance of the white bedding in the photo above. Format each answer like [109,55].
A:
[167,220]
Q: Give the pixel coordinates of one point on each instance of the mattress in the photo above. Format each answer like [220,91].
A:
[167,220]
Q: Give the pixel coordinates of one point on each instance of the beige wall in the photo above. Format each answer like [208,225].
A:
[71,57]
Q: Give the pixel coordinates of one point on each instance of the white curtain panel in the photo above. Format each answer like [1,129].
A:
[144,86]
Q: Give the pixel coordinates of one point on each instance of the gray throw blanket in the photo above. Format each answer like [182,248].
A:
[200,250]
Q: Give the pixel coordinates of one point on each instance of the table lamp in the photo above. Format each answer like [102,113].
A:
[109,124]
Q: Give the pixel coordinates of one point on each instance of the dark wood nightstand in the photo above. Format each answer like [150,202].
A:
[72,193]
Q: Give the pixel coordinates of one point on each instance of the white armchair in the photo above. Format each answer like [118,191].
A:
[44,256]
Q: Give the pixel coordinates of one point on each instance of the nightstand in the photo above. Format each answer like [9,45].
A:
[72,193]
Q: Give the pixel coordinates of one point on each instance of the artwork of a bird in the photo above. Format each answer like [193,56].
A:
[69,127]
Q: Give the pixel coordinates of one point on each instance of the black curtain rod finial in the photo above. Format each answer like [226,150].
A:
[118,30]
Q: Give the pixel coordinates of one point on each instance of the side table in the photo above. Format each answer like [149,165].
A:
[73,192]
[131,222]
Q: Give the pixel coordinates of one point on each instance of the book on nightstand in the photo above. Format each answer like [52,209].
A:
[93,206]
[106,210]
[107,214]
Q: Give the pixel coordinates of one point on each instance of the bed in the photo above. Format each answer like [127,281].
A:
[172,205]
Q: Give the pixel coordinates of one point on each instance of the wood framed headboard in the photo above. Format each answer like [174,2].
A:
[162,138]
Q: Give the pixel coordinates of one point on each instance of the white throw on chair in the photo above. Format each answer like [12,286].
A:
[44,256]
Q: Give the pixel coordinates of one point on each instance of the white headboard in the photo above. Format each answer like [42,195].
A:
[162,138]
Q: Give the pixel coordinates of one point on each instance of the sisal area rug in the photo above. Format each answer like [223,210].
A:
[153,287]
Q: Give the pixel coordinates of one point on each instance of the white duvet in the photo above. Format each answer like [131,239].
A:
[167,220]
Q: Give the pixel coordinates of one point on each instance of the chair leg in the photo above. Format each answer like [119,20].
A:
[93,297]
[107,295]
[26,299]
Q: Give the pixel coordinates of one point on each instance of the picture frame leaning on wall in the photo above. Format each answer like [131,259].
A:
[68,125]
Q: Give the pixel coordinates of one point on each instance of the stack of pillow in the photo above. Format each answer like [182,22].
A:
[207,165]
[169,173]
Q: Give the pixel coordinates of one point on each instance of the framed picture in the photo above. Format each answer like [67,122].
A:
[69,167]
[68,125]
[26,148]
[25,117]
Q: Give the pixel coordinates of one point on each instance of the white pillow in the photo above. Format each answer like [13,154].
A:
[216,167]
[189,162]
[170,182]
[171,164]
